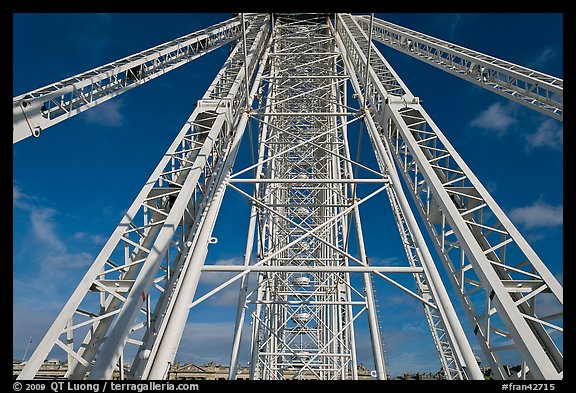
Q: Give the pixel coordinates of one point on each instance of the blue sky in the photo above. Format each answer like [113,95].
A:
[72,185]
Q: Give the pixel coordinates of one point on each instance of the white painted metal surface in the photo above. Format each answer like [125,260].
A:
[304,325]
[526,86]
[35,111]
[453,348]
[305,199]
[495,271]
[152,244]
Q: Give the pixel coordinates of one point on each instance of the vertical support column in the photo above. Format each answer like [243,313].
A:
[241,308]
[454,329]
[175,327]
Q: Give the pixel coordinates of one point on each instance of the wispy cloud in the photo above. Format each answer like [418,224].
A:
[388,261]
[44,238]
[96,239]
[408,345]
[491,186]
[227,296]
[415,362]
[16,195]
[52,268]
[455,24]
[549,134]
[204,342]
[21,200]
[414,326]
[548,304]
[106,114]
[41,287]
[546,55]
[42,226]
[90,31]
[539,214]
[400,303]
[452,23]
[220,277]
[497,117]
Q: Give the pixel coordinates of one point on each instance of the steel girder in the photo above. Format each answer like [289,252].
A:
[455,353]
[306,303]
[134,291]
[499,279]
[528,87]
[39,109]
[303,319]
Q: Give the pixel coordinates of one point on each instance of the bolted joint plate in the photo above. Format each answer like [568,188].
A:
[222,105]
[27,116]
[219,105]
[405,100]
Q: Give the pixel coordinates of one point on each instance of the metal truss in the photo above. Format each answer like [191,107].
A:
[313,283]
[305,303]
[447,333]
[37,110]
[531,88]
[499,279]
[136,291]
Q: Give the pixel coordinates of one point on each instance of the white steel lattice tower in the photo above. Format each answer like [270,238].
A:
[303,322]
[290,77]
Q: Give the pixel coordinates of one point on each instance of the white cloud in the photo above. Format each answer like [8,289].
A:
[70,260]
[549,134]
[398,300]
[42,226]
[500,118]
[20,199]
[491,186]
[16,194]
[496,117]
[388,261]
[533,237]
[203,342]
[50,272]
[227,296]
[44,244]
[452,22]
[220,277]
[538,214]
[48,245]
[96,239]
[546,55]
[413,326]
[106,114]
